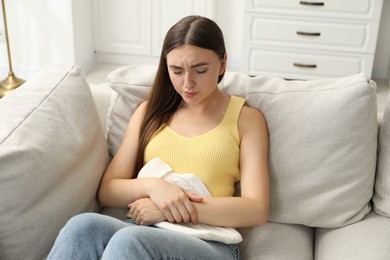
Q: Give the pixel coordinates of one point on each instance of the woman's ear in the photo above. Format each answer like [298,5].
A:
[223,64]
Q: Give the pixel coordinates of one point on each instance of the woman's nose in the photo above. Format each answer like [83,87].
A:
[189,81]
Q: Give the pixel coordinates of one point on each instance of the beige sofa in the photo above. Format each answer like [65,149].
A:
[329,178]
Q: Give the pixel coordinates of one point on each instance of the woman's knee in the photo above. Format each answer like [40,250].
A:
[131,236]
[84,237]
[132,242]
[89,224]
[83,222]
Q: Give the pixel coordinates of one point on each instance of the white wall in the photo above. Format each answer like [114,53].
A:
[382,56]
[50,31]
[83,38]
[47,31]
[230,17]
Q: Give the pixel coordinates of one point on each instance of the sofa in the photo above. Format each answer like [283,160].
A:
[329,160]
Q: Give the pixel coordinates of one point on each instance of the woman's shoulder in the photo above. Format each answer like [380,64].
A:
[138,114]
[246,109]
[142,105]
[247,115]
[141,108]
[251,118]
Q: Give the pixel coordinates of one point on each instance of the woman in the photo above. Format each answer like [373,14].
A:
[195,128]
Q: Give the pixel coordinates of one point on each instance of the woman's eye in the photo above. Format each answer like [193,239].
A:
[201,71]
[177,72]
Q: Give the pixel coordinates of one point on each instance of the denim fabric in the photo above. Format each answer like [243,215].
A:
[95,236]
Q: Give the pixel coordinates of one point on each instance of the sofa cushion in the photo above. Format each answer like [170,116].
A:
[381,197]
[277,241]
[102,96]
[322,140]
[131,85]
[367,239]
[322,153]
[52,156]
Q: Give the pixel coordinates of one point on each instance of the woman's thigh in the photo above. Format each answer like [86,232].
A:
[90,235]
[140,242]
[85,236]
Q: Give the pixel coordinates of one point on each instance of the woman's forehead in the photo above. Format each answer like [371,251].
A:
[191,55]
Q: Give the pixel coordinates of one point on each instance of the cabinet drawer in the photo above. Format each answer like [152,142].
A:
[311,33]
[369,9]
[298,65]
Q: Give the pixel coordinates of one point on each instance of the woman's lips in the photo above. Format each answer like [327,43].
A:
[190,94]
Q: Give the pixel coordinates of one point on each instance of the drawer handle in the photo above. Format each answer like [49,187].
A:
[312,3]
[300,65]
[308,33]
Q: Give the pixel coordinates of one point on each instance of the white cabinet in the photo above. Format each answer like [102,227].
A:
[123,26]
[310,39]
[132,31]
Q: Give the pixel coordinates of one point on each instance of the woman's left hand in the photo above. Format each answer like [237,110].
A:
[145,213]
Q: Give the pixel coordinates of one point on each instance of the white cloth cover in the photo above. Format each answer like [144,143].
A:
[190,182]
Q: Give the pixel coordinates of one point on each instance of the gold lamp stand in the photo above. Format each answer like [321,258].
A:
[11,82]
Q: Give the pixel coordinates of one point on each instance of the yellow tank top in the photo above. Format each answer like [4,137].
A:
[214,156]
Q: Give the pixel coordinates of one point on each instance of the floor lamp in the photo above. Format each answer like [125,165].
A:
[11,82]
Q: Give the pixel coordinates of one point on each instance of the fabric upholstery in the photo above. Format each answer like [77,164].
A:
[102,97]
[367,239]
[322,140]
[52,156]
[322,153]
[131,85]
[381,197]
[275,241]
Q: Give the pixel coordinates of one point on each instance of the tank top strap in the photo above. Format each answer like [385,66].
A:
[233,111]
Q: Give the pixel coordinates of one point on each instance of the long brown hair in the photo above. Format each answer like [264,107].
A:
[163,99]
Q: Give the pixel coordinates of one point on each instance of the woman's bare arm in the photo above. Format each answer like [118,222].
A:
[252,207]
[118,188]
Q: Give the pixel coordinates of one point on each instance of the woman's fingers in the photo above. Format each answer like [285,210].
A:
[144,212]
[180,209]
[193,197]
[176,203]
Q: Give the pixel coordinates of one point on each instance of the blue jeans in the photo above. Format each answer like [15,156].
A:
[95,236]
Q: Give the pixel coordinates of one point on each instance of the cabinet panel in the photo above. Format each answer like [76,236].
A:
[123,26]
[167,12]
[318,34]
[310,38]
[129,31]
[368,9]
[304,65]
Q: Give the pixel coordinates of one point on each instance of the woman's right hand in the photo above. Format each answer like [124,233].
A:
[174,202]
[144,212]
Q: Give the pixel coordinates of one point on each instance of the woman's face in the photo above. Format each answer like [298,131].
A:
[194,72]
